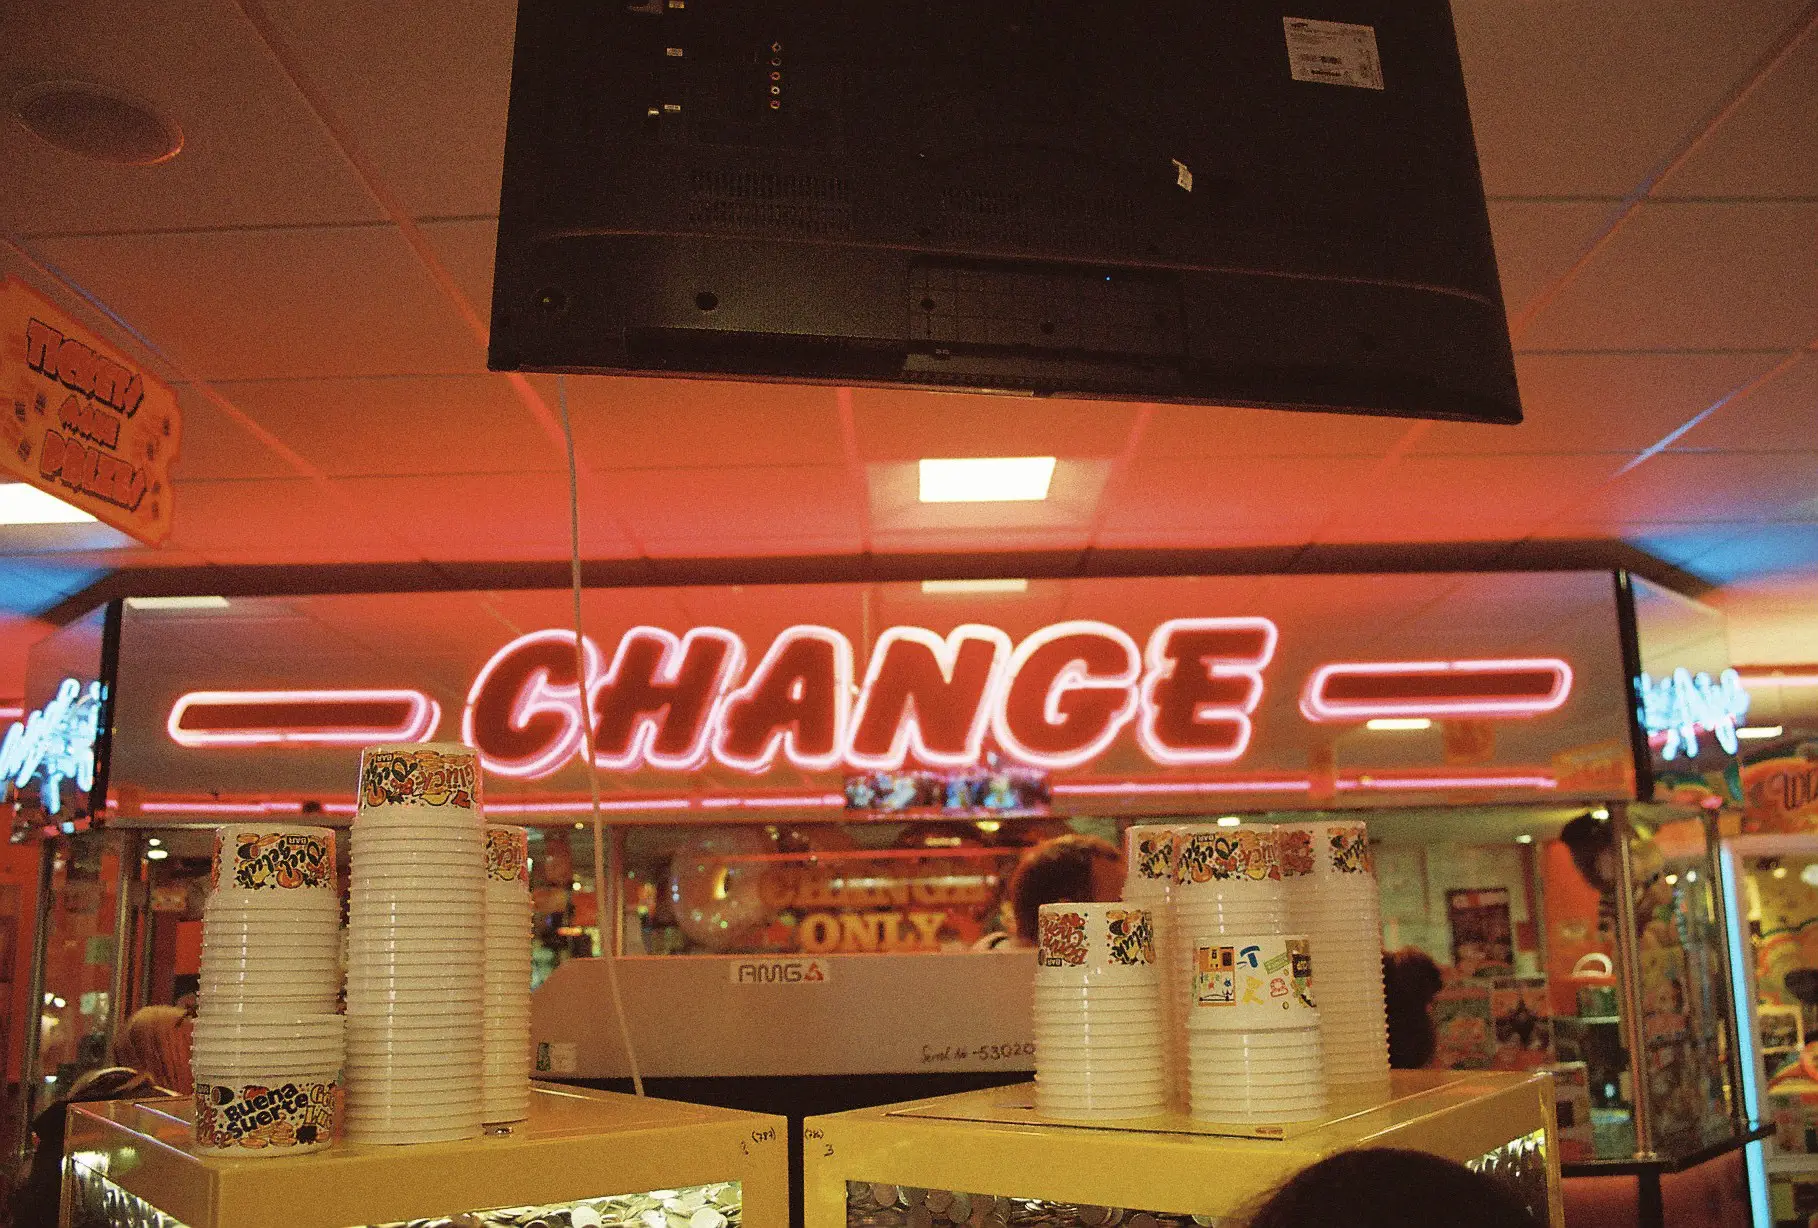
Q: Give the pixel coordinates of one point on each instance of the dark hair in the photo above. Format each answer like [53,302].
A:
[1385,1188]
[1054,871]
[1587,839]
[1410,982]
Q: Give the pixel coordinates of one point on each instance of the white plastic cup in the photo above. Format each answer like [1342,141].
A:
[1062,1065]
[261,860]
[508,855]
[271,1027]
[1149,860]
[404,840]
[1252,983]
[1094,944]
[434,779]
[1337,852]
[250,1114]
[1212,858]
[220,1054]
[302,908]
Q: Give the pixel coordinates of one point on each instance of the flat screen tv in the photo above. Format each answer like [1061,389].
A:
[1226,203]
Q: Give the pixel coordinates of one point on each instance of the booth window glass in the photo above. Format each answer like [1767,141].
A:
[1685,1022]
[878,887]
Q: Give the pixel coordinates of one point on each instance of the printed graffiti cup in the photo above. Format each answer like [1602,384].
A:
[1211,859]
[250,1115]
[1248,984]
[1336,853]
[1149,858]
[258,859]
[1094,944]
[438,781]
[507,856]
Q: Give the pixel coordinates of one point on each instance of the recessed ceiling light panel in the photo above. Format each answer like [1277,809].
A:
[986,479]
[22,504]
[176,603]
[97,122]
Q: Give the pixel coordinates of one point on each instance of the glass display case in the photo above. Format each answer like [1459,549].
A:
[1773,883]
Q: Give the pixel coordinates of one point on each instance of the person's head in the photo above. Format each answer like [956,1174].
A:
[1593,848]
[156,1041]
[1410,981]
[1384,1188]
[1068,869]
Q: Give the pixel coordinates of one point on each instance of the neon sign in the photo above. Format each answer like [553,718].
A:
[55,744]
[1364,690]
[1056,700]
[1676,707]
[331,718]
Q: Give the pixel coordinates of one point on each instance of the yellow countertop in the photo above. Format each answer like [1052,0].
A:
[576,1144]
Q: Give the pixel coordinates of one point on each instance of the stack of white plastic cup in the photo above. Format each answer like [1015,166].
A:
[505,1085]
[1227,880]
[1149,882]
[1253,1043]
[1338,908]
[1098,1025]
[416,950]
[267,1046]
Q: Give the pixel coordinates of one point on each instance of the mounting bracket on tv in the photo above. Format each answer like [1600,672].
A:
[1228,204]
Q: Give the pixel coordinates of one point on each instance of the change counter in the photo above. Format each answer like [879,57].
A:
[582,1159]
[987,1160]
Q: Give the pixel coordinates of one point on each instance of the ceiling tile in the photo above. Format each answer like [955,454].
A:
[632,423]
[277,304]
[1219,431]
[706,513]
[1601,402]
[1779,415]
[1693,276]
[1462,498]
[1186,502]
[421,88]
[1537,242]
[906,424]
[253,153]
[1756,151]
[485,516]
[401,426]
[1573,99]
[278,520]
[214,445]
[466,251]
[1708,487]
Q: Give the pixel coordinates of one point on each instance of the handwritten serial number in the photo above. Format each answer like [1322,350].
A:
[981,1053]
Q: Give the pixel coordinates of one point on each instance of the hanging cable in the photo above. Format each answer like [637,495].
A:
[593,770]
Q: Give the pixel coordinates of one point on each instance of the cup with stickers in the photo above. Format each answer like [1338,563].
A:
[1094,945]
[1253,1035]
[1098,1016]
[268,862]
[1252,983]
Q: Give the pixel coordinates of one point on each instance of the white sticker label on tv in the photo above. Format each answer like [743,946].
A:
[1333,53]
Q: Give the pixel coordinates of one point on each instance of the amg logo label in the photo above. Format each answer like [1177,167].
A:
[780,972]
